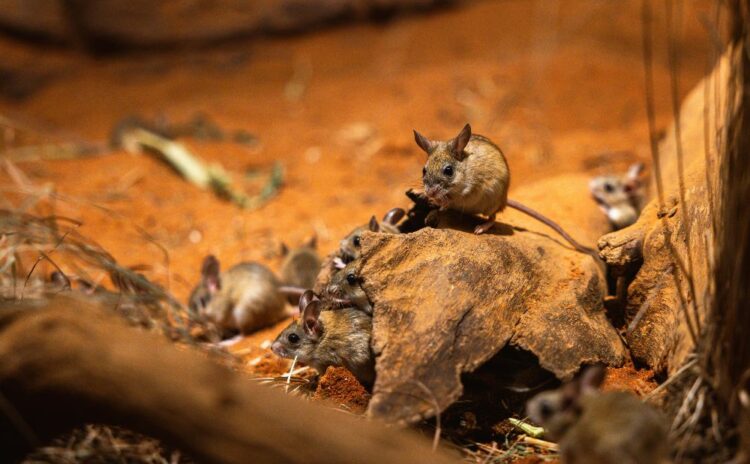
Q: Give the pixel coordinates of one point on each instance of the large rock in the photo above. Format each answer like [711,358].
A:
[671,245]
[446,301]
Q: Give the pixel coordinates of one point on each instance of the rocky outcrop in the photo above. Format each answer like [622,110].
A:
[446,301]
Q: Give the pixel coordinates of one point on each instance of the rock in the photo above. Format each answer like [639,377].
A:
[673,243]
[144,23]
[446,301]
[38,18]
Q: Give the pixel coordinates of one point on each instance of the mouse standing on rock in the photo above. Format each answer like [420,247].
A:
[620,197]
[469,174]
[602,428]
[301,266]
[335,337]
[244,298]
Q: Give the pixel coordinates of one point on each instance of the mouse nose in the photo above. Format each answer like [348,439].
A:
[278,348]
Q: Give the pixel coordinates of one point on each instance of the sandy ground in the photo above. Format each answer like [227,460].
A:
[558,85]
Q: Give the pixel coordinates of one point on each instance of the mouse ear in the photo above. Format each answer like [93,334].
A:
[458,144]
[394,215]
[310,322]
[591,379]
[60,279]
[423,142]
[306,299]
[633,178]
[374,226]
[210,273]
[312,242]
[635,170]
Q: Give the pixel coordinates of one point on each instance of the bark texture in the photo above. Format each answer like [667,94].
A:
[672,243]
[67,363]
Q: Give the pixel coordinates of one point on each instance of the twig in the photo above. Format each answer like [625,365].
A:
[686,403]
[436,404]
[671,379]
[196,172]
[539,443]
[528,429]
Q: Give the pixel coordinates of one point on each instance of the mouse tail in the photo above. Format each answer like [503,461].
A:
[552,225]
[291,290]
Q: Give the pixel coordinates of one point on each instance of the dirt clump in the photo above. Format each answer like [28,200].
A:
[339,387]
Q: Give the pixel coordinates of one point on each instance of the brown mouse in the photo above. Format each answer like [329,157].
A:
[350,245]
[621,198]
[595,427]
[322,338]
[244,298]
[71,282]
[469,174]
[300,267]
[345,288]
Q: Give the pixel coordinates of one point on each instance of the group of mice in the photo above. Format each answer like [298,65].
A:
[467,173]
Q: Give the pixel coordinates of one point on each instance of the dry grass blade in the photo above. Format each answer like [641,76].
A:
[647,37]
[673,378]
[28,240]
[436,405]
[673,53]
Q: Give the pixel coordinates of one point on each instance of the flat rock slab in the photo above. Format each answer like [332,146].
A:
[446,301]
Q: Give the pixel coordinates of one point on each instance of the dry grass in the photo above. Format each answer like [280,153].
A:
[33,246]
[97,444]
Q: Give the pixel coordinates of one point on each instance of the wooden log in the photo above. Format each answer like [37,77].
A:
[67,362]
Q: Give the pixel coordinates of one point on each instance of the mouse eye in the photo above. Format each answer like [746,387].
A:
[424,171]
[546,410]
[293,338]
[608,187]
[357,241]
[351,279]
[448,170]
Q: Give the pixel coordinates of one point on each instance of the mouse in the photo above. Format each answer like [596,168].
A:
[300,267]
[620,198]
[470,174]
[600,427]
[345,288]
[63,282]
[244,298]
[351,244]
[324,337]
